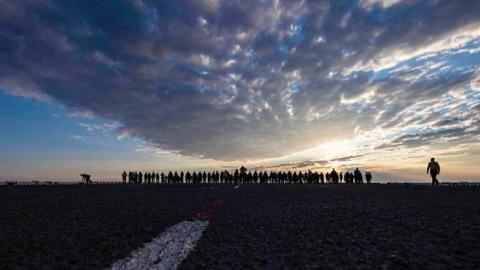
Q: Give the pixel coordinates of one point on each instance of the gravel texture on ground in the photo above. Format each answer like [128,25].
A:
[343,227]
[256,227]
[88,227]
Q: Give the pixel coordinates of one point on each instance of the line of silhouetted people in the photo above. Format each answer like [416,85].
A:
[242,175]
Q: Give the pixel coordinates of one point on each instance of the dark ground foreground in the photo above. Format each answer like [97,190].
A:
[260,226]
[87,227]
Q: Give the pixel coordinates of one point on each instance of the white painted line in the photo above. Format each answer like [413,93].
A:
[166,251]
[237,186]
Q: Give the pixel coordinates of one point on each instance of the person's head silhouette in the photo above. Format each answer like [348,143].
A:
[432,159]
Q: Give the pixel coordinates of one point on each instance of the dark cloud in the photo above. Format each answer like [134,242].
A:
[428,137]
[298,165]
[349,158]
[307,164]
[227,79]
[448,122]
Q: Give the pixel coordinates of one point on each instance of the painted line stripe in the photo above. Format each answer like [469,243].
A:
[166,251]
[171,247]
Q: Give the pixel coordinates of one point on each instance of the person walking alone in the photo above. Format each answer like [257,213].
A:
[434,169]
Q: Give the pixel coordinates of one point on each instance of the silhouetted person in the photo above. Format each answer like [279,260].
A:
[368,177]
[236,176]
[194,177]
[227,177]
[188,177]
[358,176]
[176,178]
[243,174]
[86,178]
[347,177]
[124,177]
[294,177]
[334,176]
[147,177]
[250,177]
[170,177]
[222,177]
[434,169]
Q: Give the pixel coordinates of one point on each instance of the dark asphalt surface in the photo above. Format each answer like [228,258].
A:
[87,227]
[349,227]
[259,226]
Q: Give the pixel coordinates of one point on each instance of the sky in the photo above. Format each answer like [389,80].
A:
[106,86]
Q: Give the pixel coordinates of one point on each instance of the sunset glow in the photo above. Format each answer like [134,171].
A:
[211,85]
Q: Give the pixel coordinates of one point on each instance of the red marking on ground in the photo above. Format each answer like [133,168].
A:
[210,208]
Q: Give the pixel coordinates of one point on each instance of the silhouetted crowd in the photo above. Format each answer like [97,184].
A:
[243,176]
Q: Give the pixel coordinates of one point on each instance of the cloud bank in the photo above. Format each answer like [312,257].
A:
[238,80]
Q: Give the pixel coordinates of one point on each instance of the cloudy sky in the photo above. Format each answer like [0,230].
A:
[103,86]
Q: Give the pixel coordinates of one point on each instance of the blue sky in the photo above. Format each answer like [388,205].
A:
[39,133]
[206,84]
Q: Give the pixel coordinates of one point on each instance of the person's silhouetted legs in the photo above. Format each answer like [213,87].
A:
[433,174]
[434,169]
